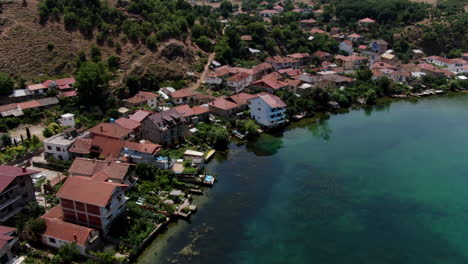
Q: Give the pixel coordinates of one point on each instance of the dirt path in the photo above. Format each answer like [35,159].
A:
[201,80]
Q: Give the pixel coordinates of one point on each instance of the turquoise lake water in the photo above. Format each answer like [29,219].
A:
[381,186]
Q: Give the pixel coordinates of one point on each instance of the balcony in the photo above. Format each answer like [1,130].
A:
[11,214]
[277,110]
[9,202]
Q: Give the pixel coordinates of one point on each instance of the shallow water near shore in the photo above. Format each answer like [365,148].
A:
[386,186]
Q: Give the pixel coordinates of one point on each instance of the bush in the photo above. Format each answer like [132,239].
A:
[50,46]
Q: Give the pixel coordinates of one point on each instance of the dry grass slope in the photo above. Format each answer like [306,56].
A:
[23,48]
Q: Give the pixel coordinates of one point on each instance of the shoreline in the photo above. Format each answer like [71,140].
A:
[159,244]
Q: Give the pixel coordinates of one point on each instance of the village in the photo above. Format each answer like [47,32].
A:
[118,183]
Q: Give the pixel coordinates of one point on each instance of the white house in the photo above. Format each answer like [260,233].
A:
[458,65]
[57,146]
[267,110]
[239,81]
[67,120]
[346,46]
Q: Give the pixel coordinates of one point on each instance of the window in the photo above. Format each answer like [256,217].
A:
[258,109]
[58,148]
[52,240]
[108,207]
[49,147]
[24,196]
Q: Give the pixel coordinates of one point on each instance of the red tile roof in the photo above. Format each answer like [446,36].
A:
[198,110]
[280,59]
[89,167]
[262,66]
[145,147]
[317,31]
[57,228]
[238,77]
[68,94]
[141,97]
[81,146]
[367,20]
[354,35]
[223,104]
[308,21]
[107,147]
[246,37]
[128,123]
[29,104]
[348,42]
[34,87]
[321,54]
[86,190]
[241,98]
[187,92]
[111,130]
[271,80]
[272,100]
[299,55]
[140,115]
[9,173]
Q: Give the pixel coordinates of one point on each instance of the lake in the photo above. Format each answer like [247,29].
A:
[385,185]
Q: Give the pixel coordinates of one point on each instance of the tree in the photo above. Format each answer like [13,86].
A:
[6,84]
[92,84]
[113,62]
[95,53]
[35,227]
[28,133]
[250,127]
[5,139]
[370,96]
[225,8]
[133,84]
[66,254]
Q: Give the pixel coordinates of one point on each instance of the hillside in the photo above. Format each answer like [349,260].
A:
[24,48]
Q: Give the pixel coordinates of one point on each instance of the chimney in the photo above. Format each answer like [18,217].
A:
[101,129]
[23,168]
[74,238]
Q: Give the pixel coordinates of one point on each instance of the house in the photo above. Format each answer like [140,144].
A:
[67,120]
[165,128]
[308,23]
[303,58]
[195,114]
[389,58]
[355,38]
[417,53]
[432,70]
[183,96]
[365,22]
[58,145]
[8,244]
[224,108]
[142,98]
[142,152]
[10,110]
[261,70]
[117,172]
[379,46]
[246,37]
[241,99]
[270,83]
[140,115]
[268,110]
[350,62]
[81,148]
[38,88]
[318,12]
[335,30]
[439,61]
[59,232]
[278,8]
[268,13]
[111,130]
[346,46]
[457,65]
[91,202]
[334,80]
[239,81]
[315,30]
[324,56]
[16,191]
[130,124]
[280,62]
